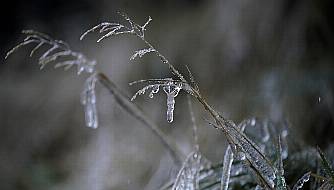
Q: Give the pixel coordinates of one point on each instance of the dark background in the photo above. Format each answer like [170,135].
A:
[267,58]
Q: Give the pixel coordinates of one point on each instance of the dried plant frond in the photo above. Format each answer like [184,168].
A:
[57,49]
[114,29]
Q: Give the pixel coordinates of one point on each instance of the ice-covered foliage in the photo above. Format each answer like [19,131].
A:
[253,159]
[60,53]
[57,49]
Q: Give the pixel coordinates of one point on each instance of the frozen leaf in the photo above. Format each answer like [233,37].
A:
[280,180]
[300,183]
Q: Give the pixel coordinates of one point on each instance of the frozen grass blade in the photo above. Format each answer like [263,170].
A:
[258,162]
[280,180]
[228,160]
[300,183]
[327,166]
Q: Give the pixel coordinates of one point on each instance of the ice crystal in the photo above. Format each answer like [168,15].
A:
[57,49]
[88,100]
[300,183]
[141,53]
[170,87]
[188,176]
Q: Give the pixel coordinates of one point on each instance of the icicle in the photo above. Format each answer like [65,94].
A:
[171,91]
[227,164]
[88,99]
[305,178]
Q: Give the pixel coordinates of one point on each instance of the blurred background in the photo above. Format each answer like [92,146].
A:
[267,58]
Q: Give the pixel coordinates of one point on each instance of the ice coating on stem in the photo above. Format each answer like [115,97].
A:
[88,100]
